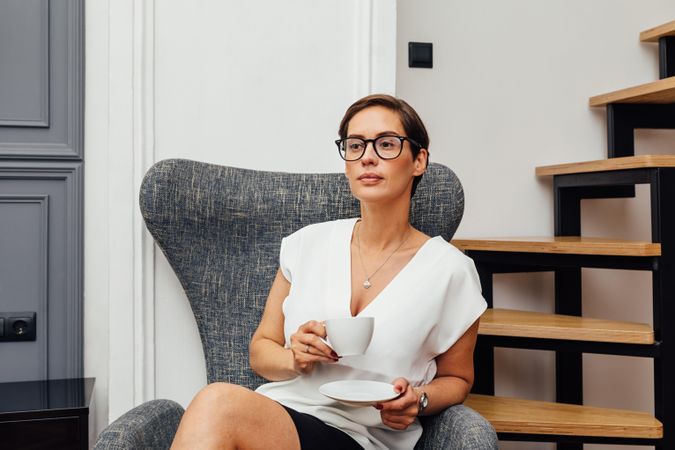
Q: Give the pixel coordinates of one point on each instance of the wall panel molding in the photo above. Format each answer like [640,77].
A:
[363,16]
[144,157]
[39,117]
[60,133]
[42,202]
[131,145]
[374,47]
[64,178]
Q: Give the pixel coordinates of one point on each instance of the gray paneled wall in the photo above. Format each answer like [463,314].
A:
[41,217]
[41,79]
[24,63]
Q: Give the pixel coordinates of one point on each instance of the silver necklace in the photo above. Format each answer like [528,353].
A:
[366,283]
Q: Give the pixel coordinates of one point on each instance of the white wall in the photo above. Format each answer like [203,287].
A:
[258,84]
[508,92]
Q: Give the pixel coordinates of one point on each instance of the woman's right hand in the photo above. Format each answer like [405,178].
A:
[308,348]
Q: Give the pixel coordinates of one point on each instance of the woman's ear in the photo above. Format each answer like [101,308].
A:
[421,161]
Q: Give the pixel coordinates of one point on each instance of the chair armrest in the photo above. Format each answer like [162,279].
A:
[150,426]
[457,428]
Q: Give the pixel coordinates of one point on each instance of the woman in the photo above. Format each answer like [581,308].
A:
[423,293]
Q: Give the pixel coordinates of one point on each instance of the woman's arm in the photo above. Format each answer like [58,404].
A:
[454,375]
[268,356]
[452,384]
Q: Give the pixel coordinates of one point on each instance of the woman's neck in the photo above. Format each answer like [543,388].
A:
[383,226]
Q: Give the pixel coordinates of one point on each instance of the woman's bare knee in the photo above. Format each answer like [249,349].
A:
[209,419]
[220,398]
[231,416]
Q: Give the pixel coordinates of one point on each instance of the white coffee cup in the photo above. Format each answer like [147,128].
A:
[350,335]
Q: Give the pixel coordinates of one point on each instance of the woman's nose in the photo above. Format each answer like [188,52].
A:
[369,155]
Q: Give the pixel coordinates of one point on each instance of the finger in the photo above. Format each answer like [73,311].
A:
[300,341]
[401,420]
[312,344]
[295,340]
[400,385]
[321,346]
[410,412]
[319,358]
[399,402]
[313,327]
[403,402]
[396,424]
[305,352]
[312,333]
[310,359]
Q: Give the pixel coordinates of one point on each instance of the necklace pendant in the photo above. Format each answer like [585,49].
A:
[366,284]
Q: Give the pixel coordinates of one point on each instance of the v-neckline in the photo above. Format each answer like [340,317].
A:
[396,277]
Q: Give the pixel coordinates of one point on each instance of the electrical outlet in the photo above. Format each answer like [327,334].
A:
[17,326]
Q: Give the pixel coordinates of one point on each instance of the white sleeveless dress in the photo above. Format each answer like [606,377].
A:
[419,315]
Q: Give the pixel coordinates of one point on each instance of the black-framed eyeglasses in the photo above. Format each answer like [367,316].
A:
[386,147]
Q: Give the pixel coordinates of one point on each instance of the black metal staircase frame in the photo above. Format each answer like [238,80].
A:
[667,57]
[569,190]
[624,118]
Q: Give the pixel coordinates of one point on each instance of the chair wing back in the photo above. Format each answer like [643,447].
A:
[221,227]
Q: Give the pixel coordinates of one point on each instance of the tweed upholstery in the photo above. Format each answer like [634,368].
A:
[150,426]
[221,228]
[457,428]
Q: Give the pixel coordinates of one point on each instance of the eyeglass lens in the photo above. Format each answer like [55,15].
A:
[386,147]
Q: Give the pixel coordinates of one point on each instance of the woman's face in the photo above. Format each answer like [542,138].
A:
[373,179]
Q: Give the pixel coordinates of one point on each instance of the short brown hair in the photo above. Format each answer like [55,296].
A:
[412,124]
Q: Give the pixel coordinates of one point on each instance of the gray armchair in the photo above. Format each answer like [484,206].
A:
[220,229]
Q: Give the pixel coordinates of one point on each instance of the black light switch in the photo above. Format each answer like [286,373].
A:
[420,54]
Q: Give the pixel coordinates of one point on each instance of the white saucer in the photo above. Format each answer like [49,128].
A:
[359,392]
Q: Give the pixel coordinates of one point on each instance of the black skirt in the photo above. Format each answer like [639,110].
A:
[316,435]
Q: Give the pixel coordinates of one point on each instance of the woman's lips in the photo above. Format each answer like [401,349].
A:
[369,177]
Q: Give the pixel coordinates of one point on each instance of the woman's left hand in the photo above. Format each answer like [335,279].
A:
[401,412]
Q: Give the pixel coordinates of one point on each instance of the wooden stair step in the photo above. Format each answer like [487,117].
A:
[607,165]
[653,34]
[511,415]
[573,245]
[509,322]
[661,91]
